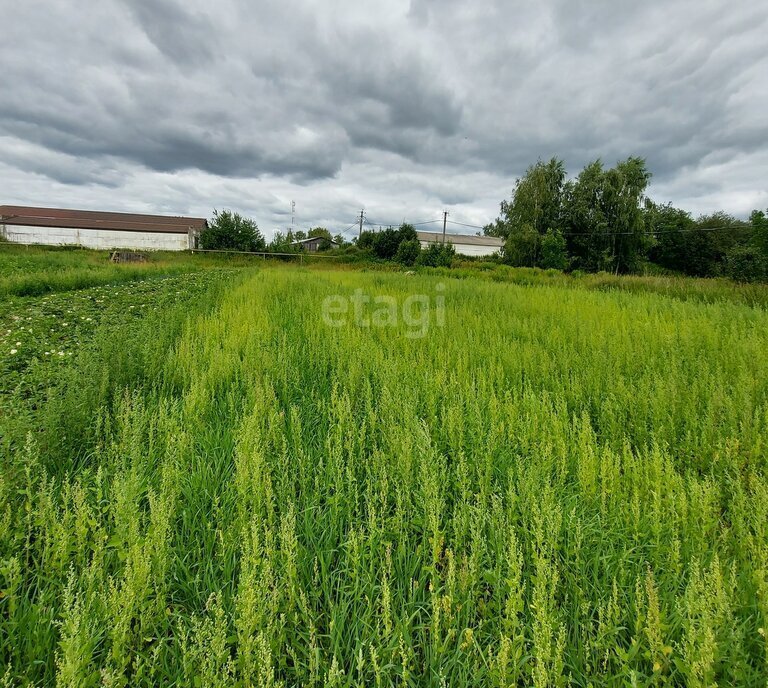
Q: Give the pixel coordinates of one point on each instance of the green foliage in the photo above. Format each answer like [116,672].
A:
[746,264]
[408,251]
[497,228]
[679,245]
[723,233]
[713,245]
[554,251]
[233,232]
[610,226]
[603,216]
[564,482]
[599,213]
[536,201]
[385,244]
[437,255]
[37,270]
[521,248]
[366,239]
[759,221]
[704,290]
[319,232]
[283,243]
[407,232]
[524,247]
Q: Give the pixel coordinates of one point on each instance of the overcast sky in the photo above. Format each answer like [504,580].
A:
[405,108]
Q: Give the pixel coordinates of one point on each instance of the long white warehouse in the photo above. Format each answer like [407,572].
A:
[465,244]
[58,227]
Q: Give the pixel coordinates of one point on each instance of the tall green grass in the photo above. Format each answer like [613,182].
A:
[707,290]
[38,270]
[561,486]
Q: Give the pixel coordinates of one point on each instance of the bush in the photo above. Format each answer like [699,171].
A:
[521,247]
[407,233]
[746,264]
[437,255]
[554,253]
[759,220]
[229,231]
[385,243]
[408,251]
[283,243]
[365,240]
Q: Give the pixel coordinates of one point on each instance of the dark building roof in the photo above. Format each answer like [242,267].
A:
[473,239]
[88,219]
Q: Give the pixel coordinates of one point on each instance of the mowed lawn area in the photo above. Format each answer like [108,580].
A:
[284,475]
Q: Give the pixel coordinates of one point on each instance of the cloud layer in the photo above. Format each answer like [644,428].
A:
[404,108]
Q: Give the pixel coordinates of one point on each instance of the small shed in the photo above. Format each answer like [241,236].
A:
[314,244]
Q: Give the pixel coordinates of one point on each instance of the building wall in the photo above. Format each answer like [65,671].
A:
[468,249]
[95,238]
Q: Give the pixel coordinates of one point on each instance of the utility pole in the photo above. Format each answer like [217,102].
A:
[361,225]
[445,219]
[293,212]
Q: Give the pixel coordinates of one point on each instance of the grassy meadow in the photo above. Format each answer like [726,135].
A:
[464,482]
[38,270]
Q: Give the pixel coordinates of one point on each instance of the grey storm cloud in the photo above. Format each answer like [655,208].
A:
[402,107]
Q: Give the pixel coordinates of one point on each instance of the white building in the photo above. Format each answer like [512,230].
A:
[58,227]
[465,244]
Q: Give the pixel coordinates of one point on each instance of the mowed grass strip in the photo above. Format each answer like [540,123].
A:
[557,486]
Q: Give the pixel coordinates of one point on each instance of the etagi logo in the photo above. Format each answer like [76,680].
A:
[417,311]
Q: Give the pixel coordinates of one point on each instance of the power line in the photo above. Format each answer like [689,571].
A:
[582,234]
[464,224]
[655,232]
[699,229]
[376,224]
[393,224]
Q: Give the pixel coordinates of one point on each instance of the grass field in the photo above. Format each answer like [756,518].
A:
[232,480]
[38,270]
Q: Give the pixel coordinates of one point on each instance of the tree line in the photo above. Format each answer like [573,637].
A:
[603,221]
[228,231]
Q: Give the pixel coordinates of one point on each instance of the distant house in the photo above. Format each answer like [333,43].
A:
[104,230]
[314,244]
[465,244]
